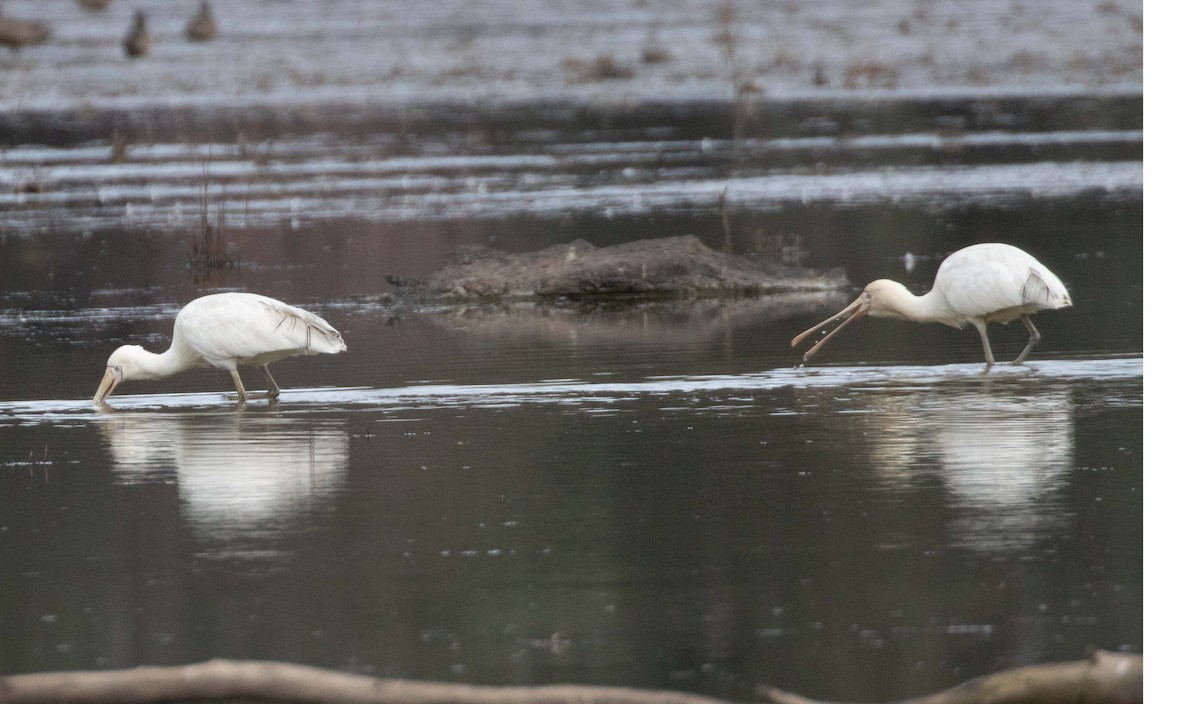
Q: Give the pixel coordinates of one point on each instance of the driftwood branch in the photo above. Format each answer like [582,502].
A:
[1107,678]
[224,679]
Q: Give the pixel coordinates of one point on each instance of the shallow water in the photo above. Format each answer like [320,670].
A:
[792,526]
[584,517]
[652,494]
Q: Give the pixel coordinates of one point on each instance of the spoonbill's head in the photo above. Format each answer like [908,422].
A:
[877,299]
[122,364]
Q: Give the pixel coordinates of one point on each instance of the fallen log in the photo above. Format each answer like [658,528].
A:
[279,681]
[1108,678]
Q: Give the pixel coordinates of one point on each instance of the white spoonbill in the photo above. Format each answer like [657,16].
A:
[980,284]
[224,330]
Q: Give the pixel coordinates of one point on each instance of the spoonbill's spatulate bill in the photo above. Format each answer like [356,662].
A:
[980,284]
[224,330]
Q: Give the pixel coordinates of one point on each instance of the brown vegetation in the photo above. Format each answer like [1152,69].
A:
[602,68]
[745,86]
[653,51]
[870,74]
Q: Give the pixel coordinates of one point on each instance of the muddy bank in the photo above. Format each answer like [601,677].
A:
[671,267]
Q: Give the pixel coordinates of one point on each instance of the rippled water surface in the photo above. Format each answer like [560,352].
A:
[647,494]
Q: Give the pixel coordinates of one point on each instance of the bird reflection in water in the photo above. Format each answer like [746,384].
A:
[1002,458]
[246,480]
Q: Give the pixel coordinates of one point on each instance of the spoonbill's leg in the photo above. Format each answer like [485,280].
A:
[237,382]
[987,348]
[272,387]
[1034,338]
[242,396]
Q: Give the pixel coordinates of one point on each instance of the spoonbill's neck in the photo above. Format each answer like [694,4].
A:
[152,365]
[929,308]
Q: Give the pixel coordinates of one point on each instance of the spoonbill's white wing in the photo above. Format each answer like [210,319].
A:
[998,282]
[227,328]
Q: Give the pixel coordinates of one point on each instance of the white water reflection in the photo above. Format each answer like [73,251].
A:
[1004,462]
[241,476]
[1003,459]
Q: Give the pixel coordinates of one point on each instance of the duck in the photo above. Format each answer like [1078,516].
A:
[137,41]
[15,33]
[202,27]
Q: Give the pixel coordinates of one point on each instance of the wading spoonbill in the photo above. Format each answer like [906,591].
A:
[980,284]
[224,330]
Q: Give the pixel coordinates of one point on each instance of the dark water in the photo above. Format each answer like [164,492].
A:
[649,495]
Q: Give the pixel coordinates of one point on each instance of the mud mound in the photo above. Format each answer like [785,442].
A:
[672,267]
